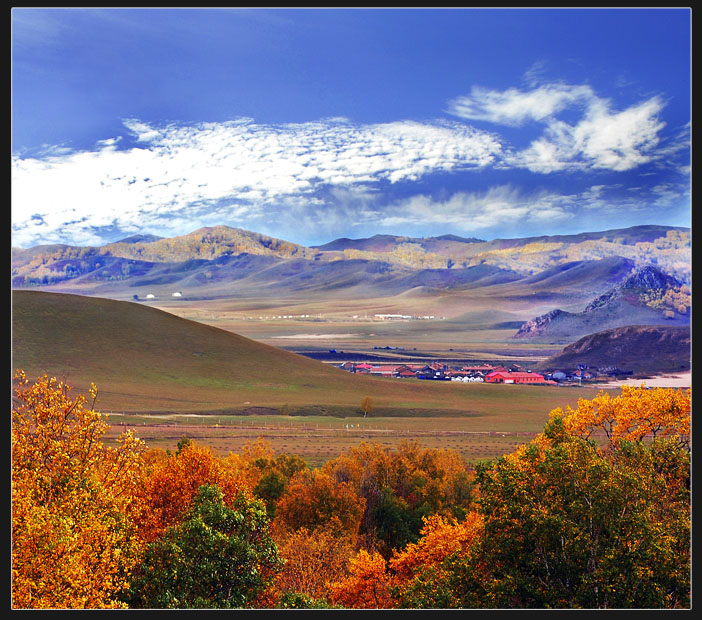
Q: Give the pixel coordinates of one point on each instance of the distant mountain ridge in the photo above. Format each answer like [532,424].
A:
[385,242]
[213,254]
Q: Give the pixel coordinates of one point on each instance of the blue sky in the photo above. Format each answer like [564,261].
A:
[313,124]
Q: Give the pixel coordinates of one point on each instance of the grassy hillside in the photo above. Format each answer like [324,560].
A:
[146,360]
[642,349]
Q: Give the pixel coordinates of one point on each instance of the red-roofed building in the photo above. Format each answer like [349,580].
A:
[383,371]
[482,368]
[514,377]
[406,373]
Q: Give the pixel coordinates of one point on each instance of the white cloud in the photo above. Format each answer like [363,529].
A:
[476,211]
[600,139]
[315,176]
[515,107]
[237,166]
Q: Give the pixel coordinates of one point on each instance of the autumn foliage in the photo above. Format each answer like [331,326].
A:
[73,541]
[593,513]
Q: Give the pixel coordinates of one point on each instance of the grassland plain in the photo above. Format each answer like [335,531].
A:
[145,361]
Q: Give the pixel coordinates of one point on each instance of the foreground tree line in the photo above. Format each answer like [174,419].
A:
[593,513]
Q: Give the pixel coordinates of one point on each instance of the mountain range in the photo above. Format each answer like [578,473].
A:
[238,253]
[531,291]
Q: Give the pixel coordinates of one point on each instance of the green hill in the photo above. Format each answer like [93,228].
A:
[146,360]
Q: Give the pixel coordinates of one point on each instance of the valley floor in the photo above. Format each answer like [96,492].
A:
[680,380]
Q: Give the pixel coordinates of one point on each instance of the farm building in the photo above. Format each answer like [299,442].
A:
[514,377]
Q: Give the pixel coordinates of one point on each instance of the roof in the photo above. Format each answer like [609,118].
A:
[515,375]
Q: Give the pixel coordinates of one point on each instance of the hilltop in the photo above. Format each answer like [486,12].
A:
[642,349]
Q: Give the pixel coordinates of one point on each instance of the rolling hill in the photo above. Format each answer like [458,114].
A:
[642,349]
[147,360]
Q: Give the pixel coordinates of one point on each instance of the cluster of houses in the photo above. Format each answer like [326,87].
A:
[438,371]
[486,373]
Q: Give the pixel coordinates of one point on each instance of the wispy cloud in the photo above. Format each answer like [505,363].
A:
[515,107]
[477,211]
[601,138]
[331,174]
[238,166]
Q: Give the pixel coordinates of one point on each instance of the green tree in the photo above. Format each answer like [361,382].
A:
[217,557]
[570,525]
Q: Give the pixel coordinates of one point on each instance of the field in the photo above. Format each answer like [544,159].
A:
[167,377]
[147,361]
[214,371]
[318,439]
[464,325]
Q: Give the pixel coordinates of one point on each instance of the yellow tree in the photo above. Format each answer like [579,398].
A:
[367,406]
[424,573]
[73,542]
[441,538]
[366,587]
[633,415]
[570,523]
[313,559]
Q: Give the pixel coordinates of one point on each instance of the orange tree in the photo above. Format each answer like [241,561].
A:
[314,500]
[366,586]
[313,559]
[402,486]
[73,539]
[171,481]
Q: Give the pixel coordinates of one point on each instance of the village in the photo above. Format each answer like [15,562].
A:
[484,373]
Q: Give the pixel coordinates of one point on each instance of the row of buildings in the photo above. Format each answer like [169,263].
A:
[486,373]
[443,372]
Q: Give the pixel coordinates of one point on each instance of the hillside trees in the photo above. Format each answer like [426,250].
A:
[593,513]
[567,525]
[74,542]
